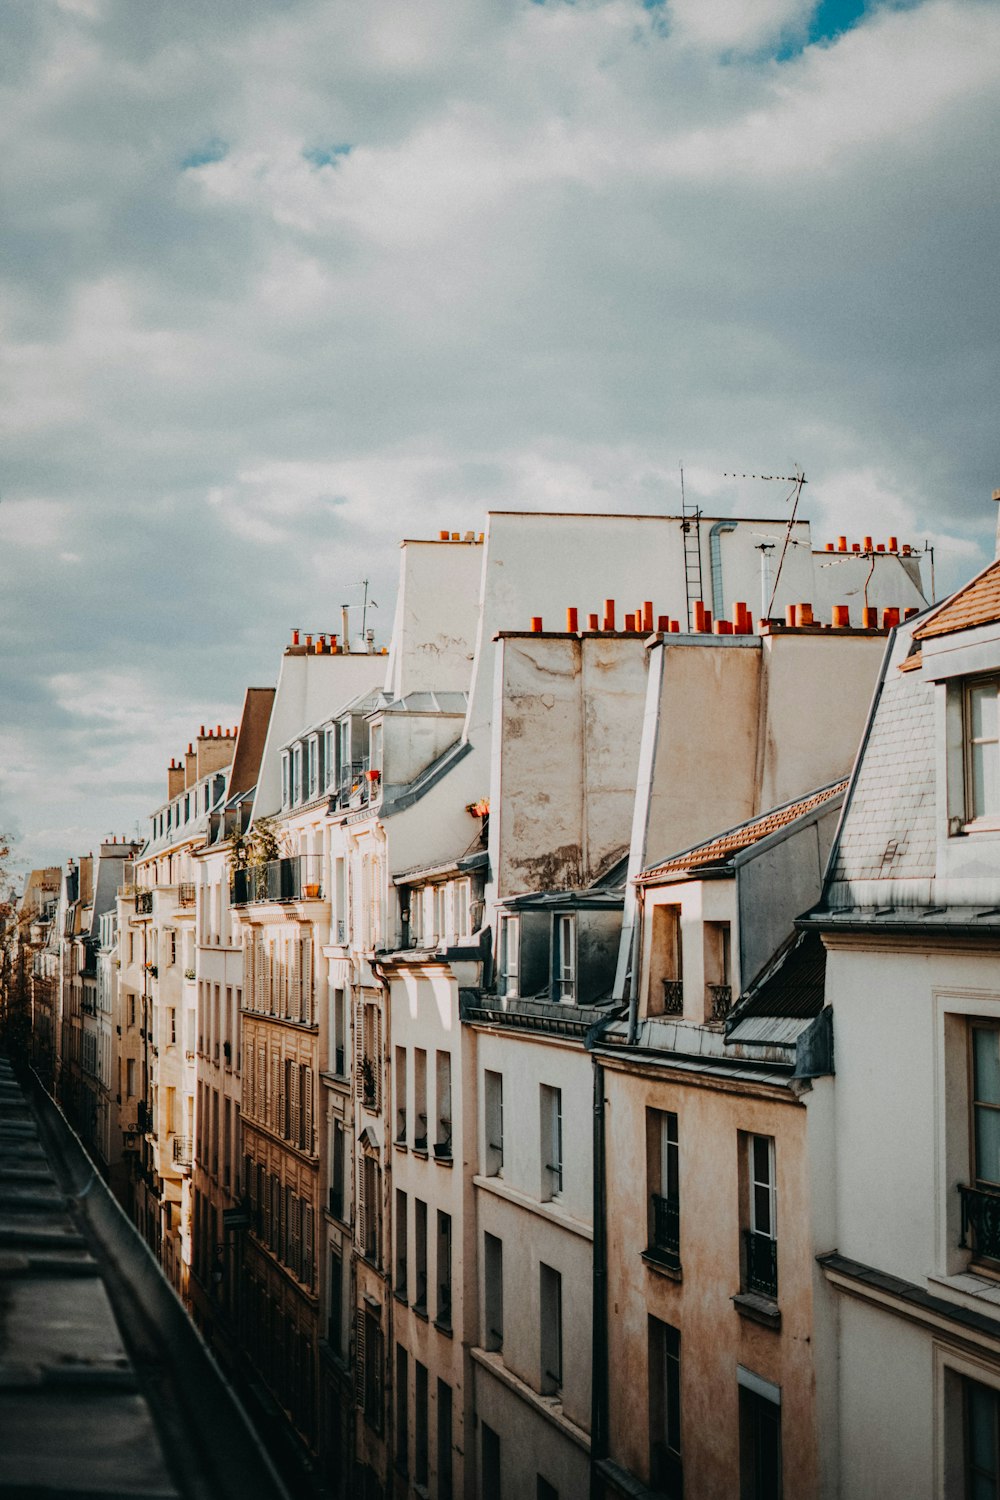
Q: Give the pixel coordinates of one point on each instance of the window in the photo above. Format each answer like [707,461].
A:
[338,1153]
[982,749]
[550,1331]
[420,1099]
[760,1437]
[439,921]
[368,1363]
[400,1082]
[402,1411]
[760,1238]
[445,1487]
[339,1030]
[492,1292]
[444,1270]
[296,774]
[286,779]
[491,1479]
[130,1078]
[401,1259]
[664,1353]
[442,1146]
[335,1324]
[172,947]
[420,1422]
[981,1449]
[371,1209]
[663,1242]
[551,1141]
[313,752]
[564,958]
[420,1254]
[509,961]
[172,1024]
[340,899]
[666,988]
[461,901]
[980,1200]
[493,1100]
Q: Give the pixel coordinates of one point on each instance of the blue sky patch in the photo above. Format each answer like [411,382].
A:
[213,150]
[326,156]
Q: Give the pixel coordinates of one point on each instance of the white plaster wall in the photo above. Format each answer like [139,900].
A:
[840,578]
[886,1394]
[529,1444]
[437,608]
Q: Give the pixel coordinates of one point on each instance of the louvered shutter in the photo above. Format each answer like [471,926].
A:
[377,1059]
[308,994]
[286,978]
[307,1091]
[293,1131]
[246,1085]
[251,1187]
[274,1103]
[248,968]
[377,1356]
[359,1048]
[360,1222]
[308,1249]
[260,1109]
[295,999]
[359,1359]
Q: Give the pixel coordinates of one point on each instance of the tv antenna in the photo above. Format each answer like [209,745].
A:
[764,548]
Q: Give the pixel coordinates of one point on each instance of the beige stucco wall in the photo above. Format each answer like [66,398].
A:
[715,1337]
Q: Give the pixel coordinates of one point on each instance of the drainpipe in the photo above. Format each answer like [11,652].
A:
[599,1310]
[715,555]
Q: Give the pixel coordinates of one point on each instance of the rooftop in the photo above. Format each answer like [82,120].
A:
[978,603]
[722,850]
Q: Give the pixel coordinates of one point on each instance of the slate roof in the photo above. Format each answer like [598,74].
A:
[888,830]
[976,604]
[792,985]
[722,849]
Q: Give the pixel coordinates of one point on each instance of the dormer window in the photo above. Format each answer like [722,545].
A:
[330,758]
[509,956]
[982,749]
[286,779]
[564,958]
[296,774]
[315,749]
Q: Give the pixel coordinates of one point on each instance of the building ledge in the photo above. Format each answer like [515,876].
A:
[625,1484]
[655,1262]
[547,1210]
[547,1407]
[758,1309]
[880,1288]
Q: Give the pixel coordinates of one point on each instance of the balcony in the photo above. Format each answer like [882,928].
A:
[761,1264]
[980,1222]
[186,894]
[357,786]
[720,1000]
[673,997]
[144,903]
[666,1243]
[295,878]
[182,1150]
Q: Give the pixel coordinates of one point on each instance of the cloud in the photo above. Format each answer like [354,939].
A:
[284,283]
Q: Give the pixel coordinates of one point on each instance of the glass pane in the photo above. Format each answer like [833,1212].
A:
[986,1063]
[985,767]
[761,1210]
[761,1159]
[987,1144]
[981,1407]
[983,711]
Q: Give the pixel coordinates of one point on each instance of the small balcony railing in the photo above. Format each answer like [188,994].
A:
[673,997]
[720,1000]
[186,894]
[182,1150]
[761,1264]
[666,1244]
[295,878]
[144,903]
[980,1221]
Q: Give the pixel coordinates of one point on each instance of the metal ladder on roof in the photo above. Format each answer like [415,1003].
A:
[691,527]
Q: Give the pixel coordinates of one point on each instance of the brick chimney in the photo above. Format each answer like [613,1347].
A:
[175,778]
[214,750]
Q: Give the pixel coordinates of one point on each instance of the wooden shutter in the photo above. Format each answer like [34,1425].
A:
[308,1232]
[359,1359]
[274,1113]
[377,1059]
[260,1109]
[295,1000]
[294,1110]
[308,995]
[359,1220]
[359,1048]
[309,1142]
[377,1356]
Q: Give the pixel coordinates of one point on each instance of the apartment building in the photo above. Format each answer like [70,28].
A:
[38,965]
[158,985]
[218,1188]
[706,1284]
[908,918]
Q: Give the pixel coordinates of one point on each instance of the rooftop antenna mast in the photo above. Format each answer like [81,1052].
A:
[796,481]
[691,527]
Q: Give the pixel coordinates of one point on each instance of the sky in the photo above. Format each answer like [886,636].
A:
[283,282]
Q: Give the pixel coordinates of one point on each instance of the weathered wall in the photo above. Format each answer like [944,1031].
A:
[437,607]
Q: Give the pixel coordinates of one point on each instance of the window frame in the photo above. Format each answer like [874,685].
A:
[988,818]
[565,974]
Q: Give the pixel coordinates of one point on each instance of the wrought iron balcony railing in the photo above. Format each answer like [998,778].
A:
[666,1243]
[980,1221]
[182,1150]
[673,997]
[761,1264]
[144,903]
[720,999]
[295,878]
[186,894]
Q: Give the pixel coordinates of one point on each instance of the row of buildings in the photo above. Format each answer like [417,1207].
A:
[560,1061]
